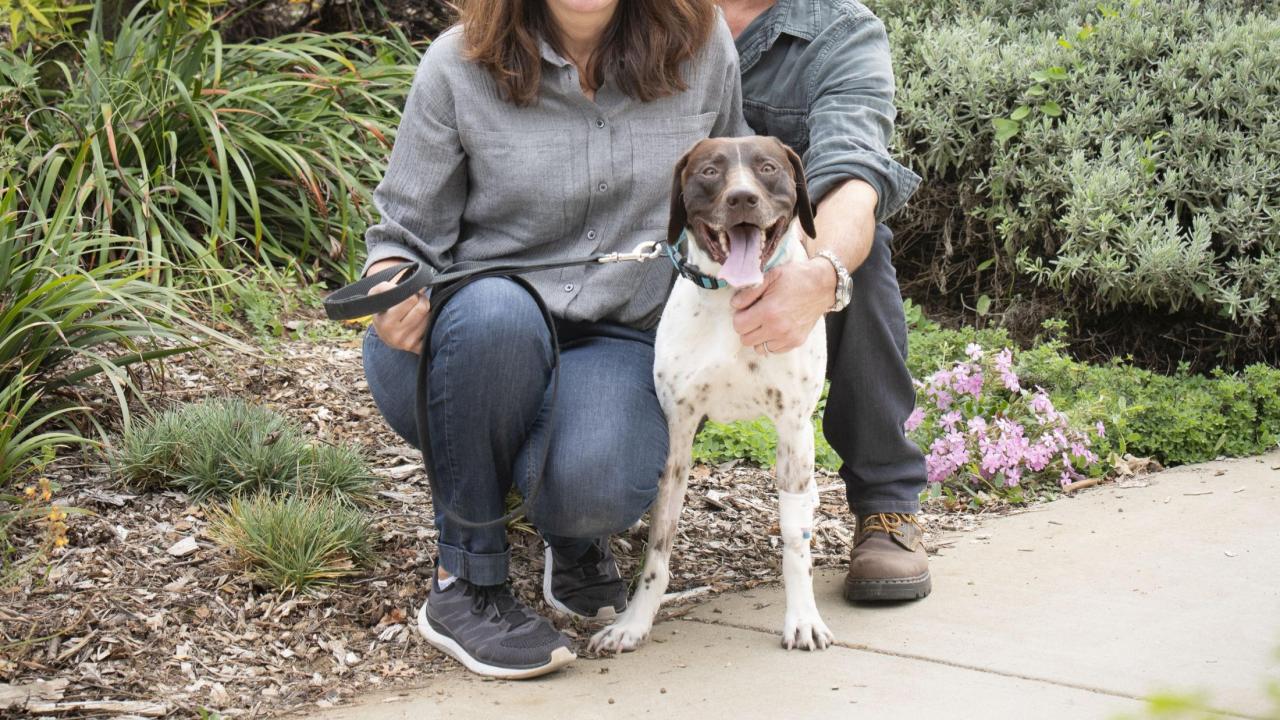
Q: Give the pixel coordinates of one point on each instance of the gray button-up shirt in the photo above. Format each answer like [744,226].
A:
[473,178]
[817,74]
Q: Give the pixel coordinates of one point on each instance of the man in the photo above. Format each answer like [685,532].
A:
[817,75]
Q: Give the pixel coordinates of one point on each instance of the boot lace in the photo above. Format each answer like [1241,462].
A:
[889,523]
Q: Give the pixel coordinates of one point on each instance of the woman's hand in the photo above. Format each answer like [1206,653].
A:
[400,326]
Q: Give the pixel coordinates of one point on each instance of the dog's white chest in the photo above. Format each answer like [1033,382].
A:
[702,368]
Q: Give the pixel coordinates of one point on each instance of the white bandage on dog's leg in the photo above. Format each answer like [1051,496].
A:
[795,511]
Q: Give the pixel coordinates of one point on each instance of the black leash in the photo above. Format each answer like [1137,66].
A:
[354,301]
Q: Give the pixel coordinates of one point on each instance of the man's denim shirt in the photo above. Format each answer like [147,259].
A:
[817,75]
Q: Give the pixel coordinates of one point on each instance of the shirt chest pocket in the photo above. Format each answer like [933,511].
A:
[657,144]
[517,182]
[788,125]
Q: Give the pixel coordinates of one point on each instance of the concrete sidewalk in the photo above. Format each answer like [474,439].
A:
[1076,609]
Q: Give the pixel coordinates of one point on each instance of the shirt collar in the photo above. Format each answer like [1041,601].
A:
[549,53]
[793,17]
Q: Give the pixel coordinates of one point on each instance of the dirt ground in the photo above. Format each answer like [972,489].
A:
[121,617]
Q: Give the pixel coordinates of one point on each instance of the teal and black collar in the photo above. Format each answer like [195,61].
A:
[690,272]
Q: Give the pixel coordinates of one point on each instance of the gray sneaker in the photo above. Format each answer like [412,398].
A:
[589,587]
[491,632]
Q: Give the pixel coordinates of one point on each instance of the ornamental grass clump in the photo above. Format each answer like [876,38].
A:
[225,447]
[294,542]
[984,431]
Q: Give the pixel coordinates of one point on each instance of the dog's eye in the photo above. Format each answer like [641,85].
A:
[710,171]
[768,167]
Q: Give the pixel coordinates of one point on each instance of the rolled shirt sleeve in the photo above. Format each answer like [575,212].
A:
[422,195]
[851,115]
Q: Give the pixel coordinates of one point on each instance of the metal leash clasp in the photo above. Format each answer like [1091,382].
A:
[647,250]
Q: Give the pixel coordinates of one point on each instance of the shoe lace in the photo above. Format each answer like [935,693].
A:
[498,601]
[889,523]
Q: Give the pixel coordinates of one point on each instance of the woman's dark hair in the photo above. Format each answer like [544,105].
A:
[642,48]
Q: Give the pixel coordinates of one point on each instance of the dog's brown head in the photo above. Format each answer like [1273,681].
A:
[738,196]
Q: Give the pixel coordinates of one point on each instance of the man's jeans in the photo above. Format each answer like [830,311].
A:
[871,393]
[490,369]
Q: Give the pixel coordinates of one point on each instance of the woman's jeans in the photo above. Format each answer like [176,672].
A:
[490,372]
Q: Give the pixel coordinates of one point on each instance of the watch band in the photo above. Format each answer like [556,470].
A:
[844,284]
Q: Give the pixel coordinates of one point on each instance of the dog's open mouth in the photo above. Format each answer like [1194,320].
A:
[742,250]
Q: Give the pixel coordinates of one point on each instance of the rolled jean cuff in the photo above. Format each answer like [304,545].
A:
[475,568]
[863,508]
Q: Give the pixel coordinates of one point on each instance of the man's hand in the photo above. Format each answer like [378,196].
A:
[784,308]
[400,326]
[794,297]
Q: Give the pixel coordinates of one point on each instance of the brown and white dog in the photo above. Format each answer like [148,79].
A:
[744,203]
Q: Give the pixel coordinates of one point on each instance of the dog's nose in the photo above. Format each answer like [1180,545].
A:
[742,196]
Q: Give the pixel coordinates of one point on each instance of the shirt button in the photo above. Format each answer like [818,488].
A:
[591,234]
[602,187]
[599,122]
[568,287]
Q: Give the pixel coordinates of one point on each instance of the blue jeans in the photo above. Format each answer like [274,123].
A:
[871,394]
[490,369]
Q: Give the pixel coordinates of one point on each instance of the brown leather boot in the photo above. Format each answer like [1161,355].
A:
[888,561]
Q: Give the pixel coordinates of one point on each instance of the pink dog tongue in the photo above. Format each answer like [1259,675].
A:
[742,267]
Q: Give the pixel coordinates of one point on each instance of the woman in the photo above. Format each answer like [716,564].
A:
[540,130]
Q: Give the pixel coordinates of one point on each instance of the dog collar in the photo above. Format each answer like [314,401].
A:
[690,272]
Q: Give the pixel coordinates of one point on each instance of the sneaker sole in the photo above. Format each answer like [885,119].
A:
[560,657]
[912,588]
[604,614]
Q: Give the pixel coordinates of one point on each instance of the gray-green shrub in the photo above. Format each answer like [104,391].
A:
[1120,164]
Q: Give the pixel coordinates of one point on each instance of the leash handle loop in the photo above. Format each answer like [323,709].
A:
[354,301]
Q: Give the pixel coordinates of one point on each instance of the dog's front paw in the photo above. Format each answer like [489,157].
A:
[806,631]
[622,636]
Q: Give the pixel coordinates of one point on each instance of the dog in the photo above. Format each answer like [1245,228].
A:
[744,203]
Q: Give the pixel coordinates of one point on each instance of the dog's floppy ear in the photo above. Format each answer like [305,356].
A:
[679,216]
[803,207]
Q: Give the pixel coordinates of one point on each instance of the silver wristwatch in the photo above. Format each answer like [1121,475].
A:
[844,284]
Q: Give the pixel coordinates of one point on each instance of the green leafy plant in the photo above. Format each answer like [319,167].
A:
[26,435]
[1180,417]
[73,305]
[25,447]
[1175,418]
[224,447]
[207,155]
[294,542]
[41,21]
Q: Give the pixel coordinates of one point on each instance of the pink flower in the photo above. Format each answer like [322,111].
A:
[1101,429]
[950,420]
[1004,366]
[914,420]
[1012,476]
[1040,403]
[974,351]
[971,384]
[941,398]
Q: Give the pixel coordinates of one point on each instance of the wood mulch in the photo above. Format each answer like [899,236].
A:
[130,620]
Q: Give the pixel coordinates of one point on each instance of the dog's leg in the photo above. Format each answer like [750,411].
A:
[797,498]
[633,626]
